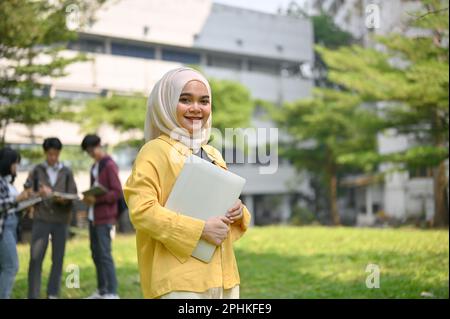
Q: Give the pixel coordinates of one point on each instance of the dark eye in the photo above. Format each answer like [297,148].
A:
[184,100]
[205,102]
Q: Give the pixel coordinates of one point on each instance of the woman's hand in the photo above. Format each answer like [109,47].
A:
[216,230]
[235,213]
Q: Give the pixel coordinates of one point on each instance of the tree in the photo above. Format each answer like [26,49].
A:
[411,75]
[124,113]
[326,32]
[232,104]
[33,35]
[329,35]
[323,131]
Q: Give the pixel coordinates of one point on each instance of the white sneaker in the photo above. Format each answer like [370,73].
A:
[95,295]
[111,296]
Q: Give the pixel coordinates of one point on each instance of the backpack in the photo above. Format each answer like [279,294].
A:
[121,203]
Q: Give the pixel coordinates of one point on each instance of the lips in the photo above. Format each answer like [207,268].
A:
[194,118]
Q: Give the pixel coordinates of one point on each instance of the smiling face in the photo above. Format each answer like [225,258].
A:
[194,107]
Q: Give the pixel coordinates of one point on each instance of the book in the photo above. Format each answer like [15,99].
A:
[28,203]
[203,190]
[96,190]
[66,196]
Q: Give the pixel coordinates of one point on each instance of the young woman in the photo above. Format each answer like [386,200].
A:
[9,198]
[178,124]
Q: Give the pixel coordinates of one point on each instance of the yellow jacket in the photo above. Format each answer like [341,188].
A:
[166,239]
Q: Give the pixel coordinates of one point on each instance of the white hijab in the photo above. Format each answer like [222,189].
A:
[162,109]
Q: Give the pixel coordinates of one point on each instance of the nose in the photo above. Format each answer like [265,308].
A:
[195,108]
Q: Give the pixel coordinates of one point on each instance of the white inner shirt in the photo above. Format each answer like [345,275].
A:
[52,172]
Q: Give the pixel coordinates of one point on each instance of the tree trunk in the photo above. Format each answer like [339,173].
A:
[3,137]
[32,136]
[440,184]
[333,200]
[332,190]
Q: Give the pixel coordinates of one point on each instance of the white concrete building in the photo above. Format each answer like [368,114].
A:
[134,42]
[401,195]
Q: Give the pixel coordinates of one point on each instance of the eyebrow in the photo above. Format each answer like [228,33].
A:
[190,94]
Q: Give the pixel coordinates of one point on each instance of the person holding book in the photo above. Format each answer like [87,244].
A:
[51,217]
[9,199]
[178,124]
[103,213]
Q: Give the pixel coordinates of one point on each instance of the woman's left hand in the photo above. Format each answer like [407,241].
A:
[235,213]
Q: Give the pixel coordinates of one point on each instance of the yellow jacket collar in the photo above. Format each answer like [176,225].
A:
[186,151]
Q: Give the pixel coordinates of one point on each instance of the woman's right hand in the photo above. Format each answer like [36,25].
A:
[216,230]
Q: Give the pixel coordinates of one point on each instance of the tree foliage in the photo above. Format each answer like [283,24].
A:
[33,36]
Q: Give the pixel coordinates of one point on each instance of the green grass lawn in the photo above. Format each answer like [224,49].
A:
[294,262]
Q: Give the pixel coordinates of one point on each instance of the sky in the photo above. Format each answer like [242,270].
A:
[269,6]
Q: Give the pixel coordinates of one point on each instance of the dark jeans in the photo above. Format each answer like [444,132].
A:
[100,237]
[39,242]
[9,262]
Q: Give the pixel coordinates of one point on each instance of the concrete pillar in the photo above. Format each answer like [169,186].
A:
[158,53]
[369,201]
[285,209]
[245,64]
[395,195]
[107,46]
[203,59]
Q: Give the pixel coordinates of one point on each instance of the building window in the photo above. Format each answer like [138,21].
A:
[131,50]
[420,172]
[224,62]
[87,45]
[74,95]
[180,56]
[264,67]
